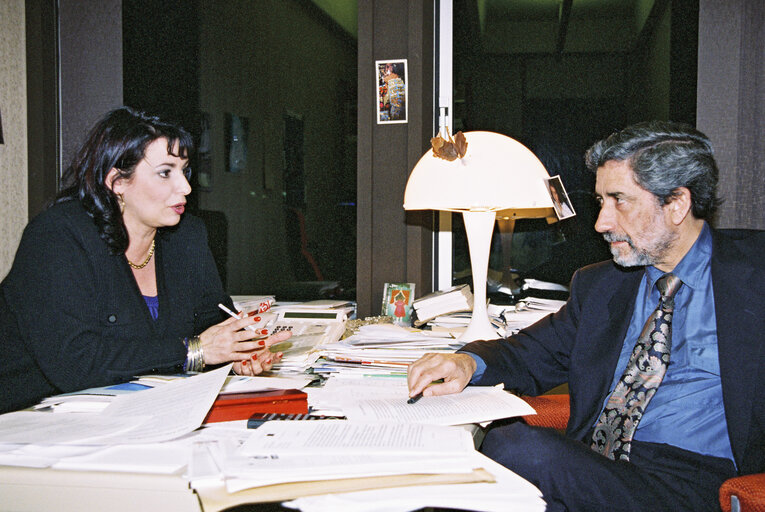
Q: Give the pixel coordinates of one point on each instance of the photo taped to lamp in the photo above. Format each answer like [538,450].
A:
[561,202]
[392,91]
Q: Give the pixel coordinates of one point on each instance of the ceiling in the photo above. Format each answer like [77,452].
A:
[537,26]
[560,26]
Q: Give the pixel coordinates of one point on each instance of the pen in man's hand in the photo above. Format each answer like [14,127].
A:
[413,399]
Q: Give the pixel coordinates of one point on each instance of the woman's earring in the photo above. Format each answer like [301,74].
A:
[122,203]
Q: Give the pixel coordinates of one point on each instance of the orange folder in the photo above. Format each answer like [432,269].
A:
[240,406]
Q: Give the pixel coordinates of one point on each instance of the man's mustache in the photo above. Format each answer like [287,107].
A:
[612,237]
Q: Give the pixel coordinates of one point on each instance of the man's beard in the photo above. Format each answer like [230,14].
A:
[637,256]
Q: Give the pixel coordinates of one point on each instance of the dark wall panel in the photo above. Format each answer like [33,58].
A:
[392,246]
[91,66]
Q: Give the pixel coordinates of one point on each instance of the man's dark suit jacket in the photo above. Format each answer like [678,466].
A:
[580,344]
[72,316]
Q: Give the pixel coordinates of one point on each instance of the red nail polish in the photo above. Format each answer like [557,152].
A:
[257,319]
[262,343]
[268,361]
[254,357]
[264,331]
[245,362]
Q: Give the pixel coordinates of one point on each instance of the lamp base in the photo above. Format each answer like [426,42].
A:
[479,227]
[479,328]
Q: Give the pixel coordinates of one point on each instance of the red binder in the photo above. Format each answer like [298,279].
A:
[240,406]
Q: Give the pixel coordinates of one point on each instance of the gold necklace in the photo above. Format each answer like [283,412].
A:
[145,262]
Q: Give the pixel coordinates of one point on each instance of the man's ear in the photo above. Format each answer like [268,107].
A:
[680,205]
[113,181]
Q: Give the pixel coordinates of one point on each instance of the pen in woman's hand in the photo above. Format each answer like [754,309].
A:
[239,317]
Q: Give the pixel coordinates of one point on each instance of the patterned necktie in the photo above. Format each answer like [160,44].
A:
[645,370]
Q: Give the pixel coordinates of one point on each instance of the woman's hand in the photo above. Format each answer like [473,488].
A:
[231,341]
[262,360]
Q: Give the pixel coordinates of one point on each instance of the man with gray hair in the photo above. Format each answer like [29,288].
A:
[663,348]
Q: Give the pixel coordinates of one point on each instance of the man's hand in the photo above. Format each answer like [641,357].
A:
[455,370]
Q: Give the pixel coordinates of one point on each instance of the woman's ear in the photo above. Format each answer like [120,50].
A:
[113,181]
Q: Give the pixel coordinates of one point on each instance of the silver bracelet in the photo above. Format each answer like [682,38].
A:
[195,361]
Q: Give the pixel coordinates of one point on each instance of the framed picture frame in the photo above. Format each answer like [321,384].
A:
[237,132]
[397,302]
[204,168]
[392,91]
[561,202]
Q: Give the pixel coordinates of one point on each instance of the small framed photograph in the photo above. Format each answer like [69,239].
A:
[392,91]
[397,302]
[561,202]
[203,170]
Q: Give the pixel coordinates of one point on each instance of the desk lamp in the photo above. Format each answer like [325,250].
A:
[495,178]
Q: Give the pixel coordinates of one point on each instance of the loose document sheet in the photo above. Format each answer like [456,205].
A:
[475,404]
[150,416]
[348,437]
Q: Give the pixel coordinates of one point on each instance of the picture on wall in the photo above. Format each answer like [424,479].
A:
[237,128]
[392,91]
[204,153]
[561,203]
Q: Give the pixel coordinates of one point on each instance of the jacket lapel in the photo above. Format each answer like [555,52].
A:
[604,337]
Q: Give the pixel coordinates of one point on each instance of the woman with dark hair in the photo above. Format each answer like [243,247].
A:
[114,280]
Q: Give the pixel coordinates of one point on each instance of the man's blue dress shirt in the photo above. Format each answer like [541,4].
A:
[687,409]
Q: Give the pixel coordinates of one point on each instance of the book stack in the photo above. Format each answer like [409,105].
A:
[443,302]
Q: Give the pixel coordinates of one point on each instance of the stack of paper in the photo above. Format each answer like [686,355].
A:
[281,452]
[284,460]
[97,399]
[253,304]
[526,312]
[456,323]
[507,492]
[299,353]
[382,349]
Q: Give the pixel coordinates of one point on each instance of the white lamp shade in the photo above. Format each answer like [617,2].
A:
[497,174]
[497,178]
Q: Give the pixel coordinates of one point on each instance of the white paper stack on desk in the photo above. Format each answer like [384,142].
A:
[526,312]
[283,460]
[382,349]
[509,493]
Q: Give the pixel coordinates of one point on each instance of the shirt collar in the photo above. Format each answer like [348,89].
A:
[691,268]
